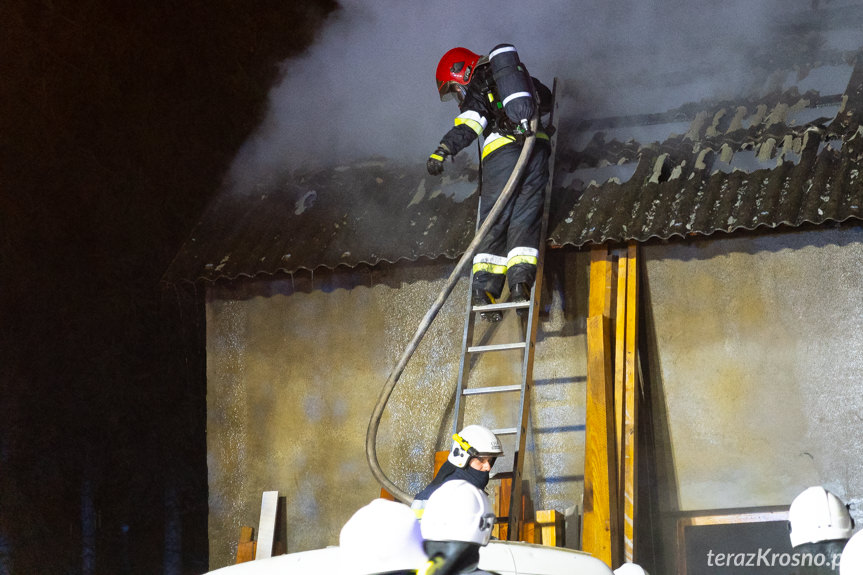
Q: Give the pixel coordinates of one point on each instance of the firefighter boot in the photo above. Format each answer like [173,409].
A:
[481,297]
[520,292]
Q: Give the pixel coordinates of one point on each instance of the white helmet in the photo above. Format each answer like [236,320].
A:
[817,515]
[473,441]
[851,562]
[630,569]
[457,511]
[383,536]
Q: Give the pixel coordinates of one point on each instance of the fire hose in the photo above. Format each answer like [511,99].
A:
[467,257]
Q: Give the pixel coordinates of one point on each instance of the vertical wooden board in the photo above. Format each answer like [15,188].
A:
[502,507]
[529,532]
[599,302]
[619,366]
[267,524]
[439,460]
[551,525]
[601,534]
[503,501]
[246,551]
[246,547]
[631,406]
[495,531]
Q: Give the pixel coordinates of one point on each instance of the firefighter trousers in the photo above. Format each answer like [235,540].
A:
[509,250]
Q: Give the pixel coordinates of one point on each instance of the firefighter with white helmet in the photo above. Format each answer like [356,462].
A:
[820,525]
[458,520]
[852,556]
[630,569]
[816,515]
[472,455]
[382,537]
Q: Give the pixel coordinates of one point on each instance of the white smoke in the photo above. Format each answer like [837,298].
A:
[366,87]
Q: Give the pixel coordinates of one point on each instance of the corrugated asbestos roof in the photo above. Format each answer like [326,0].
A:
[737,165]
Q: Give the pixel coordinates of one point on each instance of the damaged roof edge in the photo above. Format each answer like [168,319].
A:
[684,186]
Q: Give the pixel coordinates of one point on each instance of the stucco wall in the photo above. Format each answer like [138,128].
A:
[756,357]
[754,350]
[295,366]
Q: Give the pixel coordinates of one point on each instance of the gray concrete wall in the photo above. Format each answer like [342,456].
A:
[295,367]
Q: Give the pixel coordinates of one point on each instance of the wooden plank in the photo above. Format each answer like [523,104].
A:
[503,531]
[551,525]
[601,534]
[620,368]
[526,511]
[246,547]
[505,492]
[495,506]
[246,551]
[630,480]
[439,460]
[599,296]
[267,524]
[502,507]
[529,532]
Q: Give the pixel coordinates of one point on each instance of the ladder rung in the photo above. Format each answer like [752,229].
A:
[492,389]
[497,347]
[505,431]
[504,305]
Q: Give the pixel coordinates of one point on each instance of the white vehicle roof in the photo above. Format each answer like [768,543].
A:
[504,557]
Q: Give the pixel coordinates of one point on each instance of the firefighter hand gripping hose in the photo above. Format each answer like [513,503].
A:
[371,434]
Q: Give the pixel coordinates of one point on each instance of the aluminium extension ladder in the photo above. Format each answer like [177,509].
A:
[527,345]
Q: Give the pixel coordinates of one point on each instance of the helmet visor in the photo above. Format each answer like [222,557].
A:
[450,90]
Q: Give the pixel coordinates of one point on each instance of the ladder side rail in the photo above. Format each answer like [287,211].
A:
[515,500]
[469,321]
[464,362]
[395,374]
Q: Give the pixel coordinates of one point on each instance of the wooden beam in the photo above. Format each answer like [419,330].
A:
[600,285]
[551,524]
[630,461]
[502,507]
[440,458]
[601,535]
[529,532]
[620,368]
[246,547]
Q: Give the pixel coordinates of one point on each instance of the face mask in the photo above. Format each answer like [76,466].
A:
[475,477]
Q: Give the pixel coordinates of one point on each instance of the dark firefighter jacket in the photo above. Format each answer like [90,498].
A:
[481,113]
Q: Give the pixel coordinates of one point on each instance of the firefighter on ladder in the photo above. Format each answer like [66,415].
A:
[497,98]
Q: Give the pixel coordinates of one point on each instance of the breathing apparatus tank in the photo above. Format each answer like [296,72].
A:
[514,85]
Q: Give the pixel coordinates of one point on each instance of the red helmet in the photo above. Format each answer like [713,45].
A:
[454,72]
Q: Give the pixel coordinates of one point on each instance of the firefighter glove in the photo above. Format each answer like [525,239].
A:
[434,164]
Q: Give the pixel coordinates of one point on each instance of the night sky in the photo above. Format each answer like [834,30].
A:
[118,121]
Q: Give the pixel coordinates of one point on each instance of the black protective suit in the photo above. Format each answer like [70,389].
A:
[509,251]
